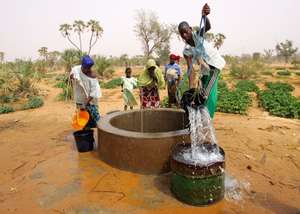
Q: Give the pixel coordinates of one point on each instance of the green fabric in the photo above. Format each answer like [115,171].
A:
[198,191]
[145,80]
[211,102]
[129,98]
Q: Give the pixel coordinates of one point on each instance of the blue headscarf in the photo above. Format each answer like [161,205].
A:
[87,61]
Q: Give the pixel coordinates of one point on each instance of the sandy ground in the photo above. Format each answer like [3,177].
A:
[41,171]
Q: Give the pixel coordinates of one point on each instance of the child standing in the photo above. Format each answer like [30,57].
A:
[128,84]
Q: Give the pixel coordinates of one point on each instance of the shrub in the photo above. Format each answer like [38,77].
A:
[284,73]
[6,109]
[280,103]
[33,102]
[246,69]
[267,73]
[236,101]
[279,86]
[247,86]
[101,65]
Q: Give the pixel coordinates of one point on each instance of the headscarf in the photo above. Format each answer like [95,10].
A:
[87,61]
[145,79]
[173,57]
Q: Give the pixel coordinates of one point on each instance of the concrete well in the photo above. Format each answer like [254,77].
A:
[141,140]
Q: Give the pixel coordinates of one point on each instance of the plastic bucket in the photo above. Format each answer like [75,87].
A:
[84,140]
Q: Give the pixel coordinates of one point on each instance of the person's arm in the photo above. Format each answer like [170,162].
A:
[179,72]
[190,69]
[88,100]
[205,12]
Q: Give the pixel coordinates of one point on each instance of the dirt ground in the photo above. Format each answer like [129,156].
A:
[41,171]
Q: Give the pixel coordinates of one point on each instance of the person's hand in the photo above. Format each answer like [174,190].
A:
[205,10]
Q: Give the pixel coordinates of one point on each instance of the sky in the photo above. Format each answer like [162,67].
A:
[250,26]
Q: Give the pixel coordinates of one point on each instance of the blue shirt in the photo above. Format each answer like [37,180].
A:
[174,66]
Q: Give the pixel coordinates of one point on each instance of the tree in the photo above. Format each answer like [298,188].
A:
[151,32]
[219,40]
[1,57]
[256,56]
[43,51]
[96,30]
[164,53]
[285,50]
[101,65]
[70,57]
[268,54]
[209,37]
[79,27]
[53,58]
[124,59]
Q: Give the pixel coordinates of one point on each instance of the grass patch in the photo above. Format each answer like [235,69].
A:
[6,109]
[267,73]
[284,73]
[247,86]
[114,83]
[33,102]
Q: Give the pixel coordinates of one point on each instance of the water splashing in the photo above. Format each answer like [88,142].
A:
[204,149]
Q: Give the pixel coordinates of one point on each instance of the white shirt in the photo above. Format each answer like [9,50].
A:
[213,57]
[129,83]
[85,86]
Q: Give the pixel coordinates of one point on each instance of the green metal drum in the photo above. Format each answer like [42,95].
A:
[197,185]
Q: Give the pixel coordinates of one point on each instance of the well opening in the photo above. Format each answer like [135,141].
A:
[150,121]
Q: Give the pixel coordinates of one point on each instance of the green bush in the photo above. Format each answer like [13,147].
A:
[280,86]
[8,98]
[236,101]
[66,87]
[6,109]
[267,73]
[103,66]
[33,102]
[284,73]
[247,86]
[297,73]
[280,68]
[114,83]
[280,103]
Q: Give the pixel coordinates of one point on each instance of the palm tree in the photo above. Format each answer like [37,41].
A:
[66,30]
[219,40]
[70,57]
[79,27]
[96,30]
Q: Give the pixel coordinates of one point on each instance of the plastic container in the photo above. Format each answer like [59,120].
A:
[84,140]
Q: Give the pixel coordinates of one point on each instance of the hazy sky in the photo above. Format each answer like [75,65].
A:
[249,25]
